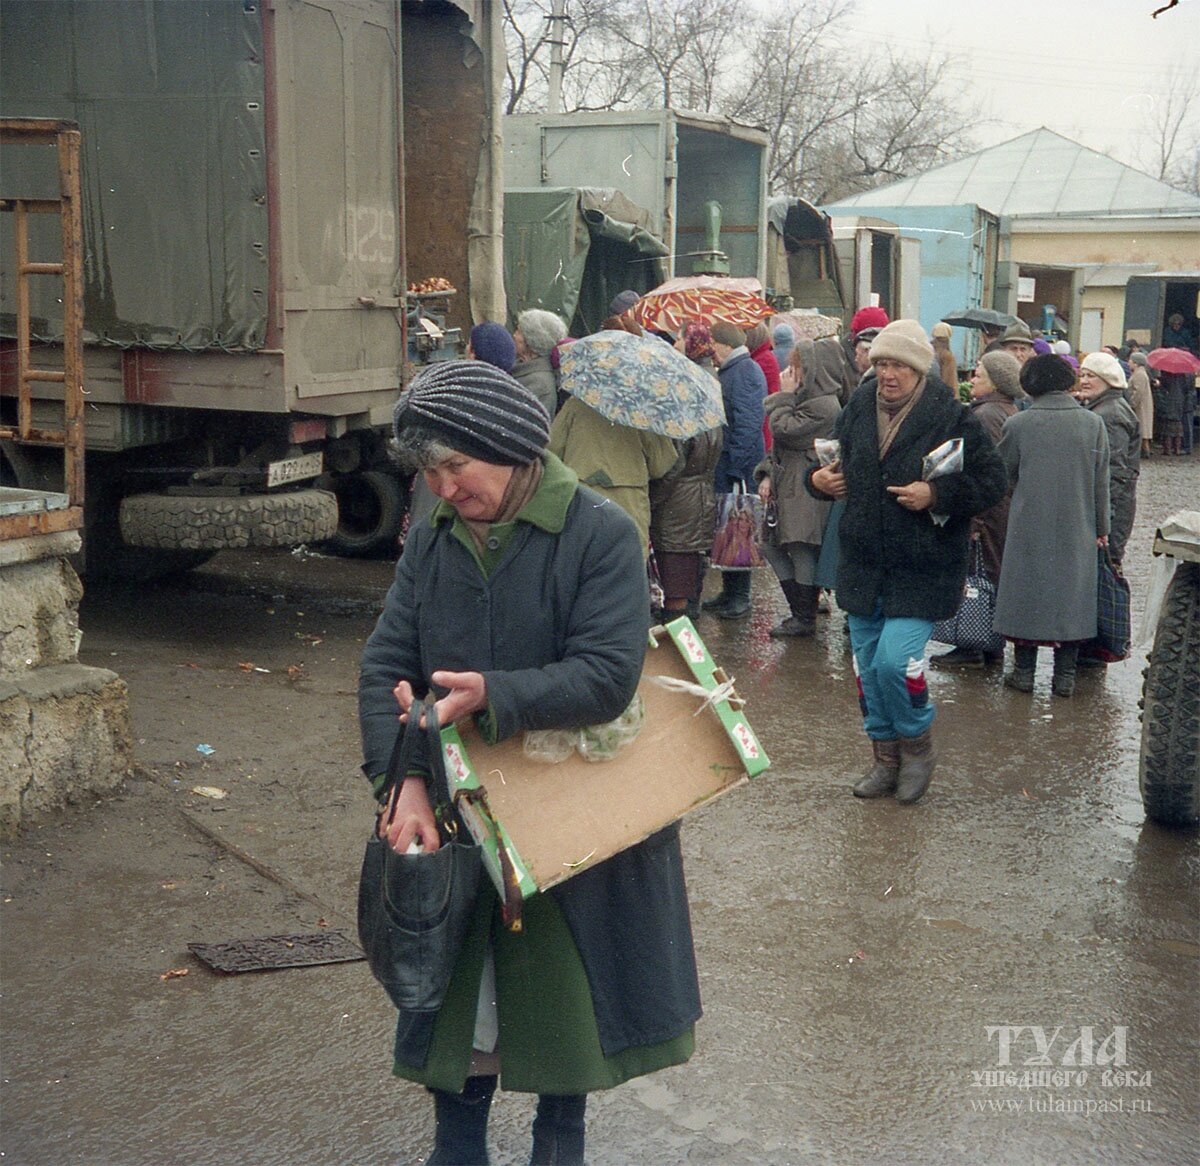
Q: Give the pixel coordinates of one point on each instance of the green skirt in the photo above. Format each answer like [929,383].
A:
[549,1041]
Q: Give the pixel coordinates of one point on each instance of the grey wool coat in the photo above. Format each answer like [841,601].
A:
[1056,455]
[537,375]
[1124,463]
[558,628]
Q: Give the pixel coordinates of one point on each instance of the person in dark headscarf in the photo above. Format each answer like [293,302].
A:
[521,603]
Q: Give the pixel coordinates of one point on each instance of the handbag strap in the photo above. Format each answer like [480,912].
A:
[401,757]
[436,759]
[402,754]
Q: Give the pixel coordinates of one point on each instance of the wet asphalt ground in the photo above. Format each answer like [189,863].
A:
[882,984]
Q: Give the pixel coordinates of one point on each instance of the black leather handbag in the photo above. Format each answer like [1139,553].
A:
[414,909]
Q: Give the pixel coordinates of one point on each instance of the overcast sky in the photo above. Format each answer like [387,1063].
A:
[1084,68]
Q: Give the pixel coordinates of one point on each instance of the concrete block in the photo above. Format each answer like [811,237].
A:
[58,545]
[64,736]
[39,618]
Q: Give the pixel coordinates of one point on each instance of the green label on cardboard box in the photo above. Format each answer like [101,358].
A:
[696,655]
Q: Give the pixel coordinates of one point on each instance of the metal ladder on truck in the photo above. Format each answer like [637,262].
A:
[25,513]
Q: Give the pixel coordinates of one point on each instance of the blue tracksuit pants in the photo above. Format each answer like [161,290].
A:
[889,663]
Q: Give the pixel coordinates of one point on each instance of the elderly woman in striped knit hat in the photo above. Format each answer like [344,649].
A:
[522,602]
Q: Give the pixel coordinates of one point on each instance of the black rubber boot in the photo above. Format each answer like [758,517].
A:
[1024,666]
[880,780]
[737,587]
[806,609]
[917,760]
[558,1130]
[461,1138]
[1065,657]
[718,601]
[802,602]
[957,658]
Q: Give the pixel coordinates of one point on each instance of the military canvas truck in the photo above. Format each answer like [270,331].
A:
[263,181]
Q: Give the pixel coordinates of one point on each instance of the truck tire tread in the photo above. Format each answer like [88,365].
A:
[214,523]
[1169,767]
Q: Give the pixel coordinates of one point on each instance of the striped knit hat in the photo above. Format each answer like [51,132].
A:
[477,409]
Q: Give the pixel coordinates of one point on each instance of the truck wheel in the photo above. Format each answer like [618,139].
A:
[1169,769]
[371,508]
[216,523]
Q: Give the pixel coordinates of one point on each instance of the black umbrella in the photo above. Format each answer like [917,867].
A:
[979,318]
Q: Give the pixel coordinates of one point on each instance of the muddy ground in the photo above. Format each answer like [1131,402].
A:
[853,957]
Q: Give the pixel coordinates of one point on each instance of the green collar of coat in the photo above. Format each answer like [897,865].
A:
[547,509]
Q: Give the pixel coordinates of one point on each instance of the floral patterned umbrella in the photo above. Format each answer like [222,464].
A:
[669,309]
[642,382]
[807,326]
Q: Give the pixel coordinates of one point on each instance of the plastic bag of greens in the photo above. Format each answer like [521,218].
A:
[601,742]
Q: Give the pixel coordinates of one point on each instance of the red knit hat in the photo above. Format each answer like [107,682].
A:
[867,318]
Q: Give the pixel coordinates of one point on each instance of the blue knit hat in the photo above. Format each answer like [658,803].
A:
[494,344]
[475,408]
[622,302]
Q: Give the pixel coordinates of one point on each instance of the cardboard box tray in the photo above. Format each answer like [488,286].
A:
[555,819]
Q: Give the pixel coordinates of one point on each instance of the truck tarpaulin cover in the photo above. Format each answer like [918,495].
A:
[571,250]
[169,99]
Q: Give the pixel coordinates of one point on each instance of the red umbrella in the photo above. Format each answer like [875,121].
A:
[670,310]
[1173,360]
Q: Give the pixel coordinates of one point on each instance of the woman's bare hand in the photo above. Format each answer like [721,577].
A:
[468,694]
[914,496]
[412,820]
[830,480]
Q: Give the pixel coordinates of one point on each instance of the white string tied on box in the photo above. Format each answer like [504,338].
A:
[723,691]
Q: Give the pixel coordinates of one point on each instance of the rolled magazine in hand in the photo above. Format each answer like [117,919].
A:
[946,459]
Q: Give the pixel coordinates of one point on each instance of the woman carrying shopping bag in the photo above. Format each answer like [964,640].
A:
[522,602]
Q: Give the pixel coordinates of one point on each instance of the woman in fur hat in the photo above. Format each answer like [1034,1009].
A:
[1056,455]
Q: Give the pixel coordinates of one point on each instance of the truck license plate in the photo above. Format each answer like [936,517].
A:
[294,469]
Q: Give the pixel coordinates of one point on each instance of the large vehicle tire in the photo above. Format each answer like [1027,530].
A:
[1169,770]
[215,523]
[371,505]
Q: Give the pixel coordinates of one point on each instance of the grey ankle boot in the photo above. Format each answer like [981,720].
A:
[880,780]
[558,1130]
[1066,657]
[917,759]
[461,1138]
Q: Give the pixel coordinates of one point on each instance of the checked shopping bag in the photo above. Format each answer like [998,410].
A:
[970,627]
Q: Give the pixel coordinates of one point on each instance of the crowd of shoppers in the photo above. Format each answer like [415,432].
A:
[521,601]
